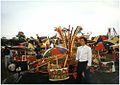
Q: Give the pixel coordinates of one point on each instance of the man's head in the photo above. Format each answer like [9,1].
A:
[82,40]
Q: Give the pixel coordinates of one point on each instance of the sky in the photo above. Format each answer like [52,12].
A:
[40,17]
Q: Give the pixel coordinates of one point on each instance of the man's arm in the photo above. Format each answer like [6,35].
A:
[89,57]
[77,55]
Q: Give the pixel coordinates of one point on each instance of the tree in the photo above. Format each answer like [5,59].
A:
[4,41]
[21,37]
[14,41]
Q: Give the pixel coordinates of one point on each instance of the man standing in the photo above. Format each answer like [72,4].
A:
[84,59]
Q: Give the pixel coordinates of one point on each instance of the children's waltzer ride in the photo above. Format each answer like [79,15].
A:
[58,59]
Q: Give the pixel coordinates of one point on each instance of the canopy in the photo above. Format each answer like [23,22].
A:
[55,51]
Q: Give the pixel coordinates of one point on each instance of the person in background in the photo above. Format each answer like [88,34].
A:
[40,41]
[83,59]
[7,56]
[13,55]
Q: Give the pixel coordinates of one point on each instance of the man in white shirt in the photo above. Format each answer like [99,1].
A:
[83,57]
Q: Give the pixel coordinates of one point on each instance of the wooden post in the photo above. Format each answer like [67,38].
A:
[66,60]
[99,55]
[69,41]
[56,61]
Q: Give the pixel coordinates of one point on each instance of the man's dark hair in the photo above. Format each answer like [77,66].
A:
[85,39]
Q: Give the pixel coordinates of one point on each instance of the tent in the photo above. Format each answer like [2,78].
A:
[100,38]
[102,42]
